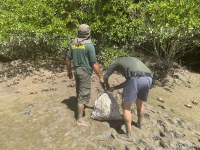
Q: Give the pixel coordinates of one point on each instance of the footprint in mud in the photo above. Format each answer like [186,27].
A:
[106,147]
[141,144]
[147,116]
[161,123]
[175,134]
[180,123]
[182,145]
[170,120]
[28,111]
[171,134]
[161,106]
[125,147]
[166,132]
[105,137]
[161,143]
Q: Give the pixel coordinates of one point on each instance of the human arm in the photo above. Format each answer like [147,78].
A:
[69,68]
[119,86]
[69,63]
[93,62]
[97,70]
[110,70]
[115,66]
[111,89]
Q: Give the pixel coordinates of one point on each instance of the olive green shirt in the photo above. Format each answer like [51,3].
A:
[121,65]
[83,56]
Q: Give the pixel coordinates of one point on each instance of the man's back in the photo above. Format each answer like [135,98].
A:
[83,55]
[125,65]
[133,64]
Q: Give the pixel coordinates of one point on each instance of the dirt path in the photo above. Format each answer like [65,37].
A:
[37,112]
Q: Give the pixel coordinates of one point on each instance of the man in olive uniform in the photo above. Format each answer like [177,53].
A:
[136,88]
[82,54]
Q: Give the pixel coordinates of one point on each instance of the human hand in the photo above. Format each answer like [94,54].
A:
[101,79]
[111,89]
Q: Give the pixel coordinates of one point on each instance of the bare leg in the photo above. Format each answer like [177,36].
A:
[140,112]
[80,120]
[127,119]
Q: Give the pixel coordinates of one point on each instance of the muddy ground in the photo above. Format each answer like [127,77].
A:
[38,110]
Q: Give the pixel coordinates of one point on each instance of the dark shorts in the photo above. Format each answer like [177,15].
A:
[137,87]
[83,85]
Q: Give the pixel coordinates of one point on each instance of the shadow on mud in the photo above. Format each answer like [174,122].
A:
[71,103]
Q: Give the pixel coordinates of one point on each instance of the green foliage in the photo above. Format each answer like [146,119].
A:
[109,54]
[169,29]
[30,30]
[41,29]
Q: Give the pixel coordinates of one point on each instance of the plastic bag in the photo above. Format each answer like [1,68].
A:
[106,108]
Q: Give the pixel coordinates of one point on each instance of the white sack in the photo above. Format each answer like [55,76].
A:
[106,108]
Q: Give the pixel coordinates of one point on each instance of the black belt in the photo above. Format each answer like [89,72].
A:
[141,74]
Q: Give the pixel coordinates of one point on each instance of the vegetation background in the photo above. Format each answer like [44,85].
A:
[167,31]
[38,103]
